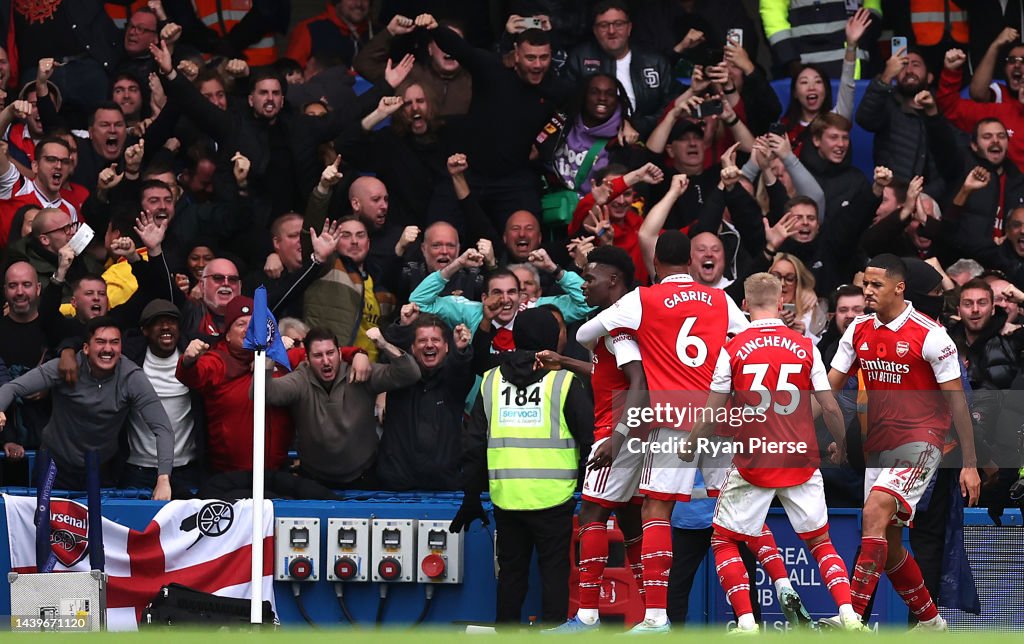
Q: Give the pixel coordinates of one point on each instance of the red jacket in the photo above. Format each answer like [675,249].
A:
[626,232]
[224,382]
[964,113]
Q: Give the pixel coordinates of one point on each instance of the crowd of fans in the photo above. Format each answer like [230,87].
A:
[400,229]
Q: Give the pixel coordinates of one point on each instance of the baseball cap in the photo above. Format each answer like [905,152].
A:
[685,126]
[236,308]
[156,309]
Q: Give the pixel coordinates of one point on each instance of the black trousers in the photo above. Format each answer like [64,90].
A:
[519,533]
[689,548]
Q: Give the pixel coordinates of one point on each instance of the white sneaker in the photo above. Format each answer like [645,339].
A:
[934,626]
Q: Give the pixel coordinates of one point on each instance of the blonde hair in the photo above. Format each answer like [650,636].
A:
[762,291]
[804,296]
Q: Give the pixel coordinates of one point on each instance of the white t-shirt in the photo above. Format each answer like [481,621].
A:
[622,73]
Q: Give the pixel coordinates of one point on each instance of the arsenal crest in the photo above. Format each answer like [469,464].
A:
[902,348]
[69,531]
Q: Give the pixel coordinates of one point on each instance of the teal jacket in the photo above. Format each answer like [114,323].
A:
[455,309]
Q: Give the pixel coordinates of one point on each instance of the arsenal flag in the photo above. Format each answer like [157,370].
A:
[205,545]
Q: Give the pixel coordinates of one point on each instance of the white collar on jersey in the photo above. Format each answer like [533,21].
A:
[766,322]
[678,277]
[898,321]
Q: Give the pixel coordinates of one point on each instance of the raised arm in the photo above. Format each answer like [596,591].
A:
[655,219]
[982,78]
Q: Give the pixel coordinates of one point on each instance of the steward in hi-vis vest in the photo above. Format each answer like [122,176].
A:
[527,433]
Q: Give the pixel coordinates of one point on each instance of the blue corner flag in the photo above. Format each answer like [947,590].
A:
[262,333]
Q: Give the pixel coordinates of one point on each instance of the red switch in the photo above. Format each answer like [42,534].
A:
[433,566]
[345,568]
[389,569]
[300,568]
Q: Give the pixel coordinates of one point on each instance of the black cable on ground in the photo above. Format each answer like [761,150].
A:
[380,604]
[340,593]
[429,595]
[297,592]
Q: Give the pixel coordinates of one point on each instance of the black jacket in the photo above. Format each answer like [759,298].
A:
[993,360]
[889,236]
[284,164]
[901,134]
[517,368]
[993,365]
[505,113]
[421,446]
[649,71]
[977,219]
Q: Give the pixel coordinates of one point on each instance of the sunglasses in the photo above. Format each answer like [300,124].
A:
[219,278]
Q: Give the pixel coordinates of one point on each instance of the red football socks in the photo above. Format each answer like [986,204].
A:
[833,572]
[634,554]
[657,560]
[732,574]
[869,566]
[906,580]
[593,559]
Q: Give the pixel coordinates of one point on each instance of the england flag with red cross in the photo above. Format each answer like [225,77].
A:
[202,544]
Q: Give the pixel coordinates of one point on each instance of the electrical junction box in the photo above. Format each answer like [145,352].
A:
[439,553]
[58,602]
[297,549]
[348,549]
[394,549]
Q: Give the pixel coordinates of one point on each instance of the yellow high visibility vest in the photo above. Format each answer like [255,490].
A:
[532,459]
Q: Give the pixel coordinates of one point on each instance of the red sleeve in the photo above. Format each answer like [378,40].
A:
[299,46]
[962,113]
[296,355]
[349,353]
[586,203]
[207,371]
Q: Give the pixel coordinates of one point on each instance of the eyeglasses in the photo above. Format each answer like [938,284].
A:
[788,279]
[56,160]
[220,278]
[139,28]
[1015,60]
[68,229]
[606,25]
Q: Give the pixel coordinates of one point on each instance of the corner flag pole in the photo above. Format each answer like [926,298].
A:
[258,436]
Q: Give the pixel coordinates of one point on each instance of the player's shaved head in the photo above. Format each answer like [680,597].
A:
[672,249]
[892,265]
[762,291]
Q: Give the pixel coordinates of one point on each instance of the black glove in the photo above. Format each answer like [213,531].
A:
[471,509]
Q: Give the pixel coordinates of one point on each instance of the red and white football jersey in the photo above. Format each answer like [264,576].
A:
[903,363]
[681,327]
[769,357]
[608,381]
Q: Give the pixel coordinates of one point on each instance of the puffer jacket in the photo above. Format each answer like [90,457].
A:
[901,135]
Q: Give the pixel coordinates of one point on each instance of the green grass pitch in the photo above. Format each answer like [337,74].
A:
[450,636]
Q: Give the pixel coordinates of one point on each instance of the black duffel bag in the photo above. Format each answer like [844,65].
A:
[177,605]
